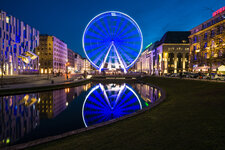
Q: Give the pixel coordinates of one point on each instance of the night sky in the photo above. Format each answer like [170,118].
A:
[67,19]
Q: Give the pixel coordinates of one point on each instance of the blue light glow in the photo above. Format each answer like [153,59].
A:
[106,102]
[112,28]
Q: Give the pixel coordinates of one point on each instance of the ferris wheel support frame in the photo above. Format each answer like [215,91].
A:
[118,56]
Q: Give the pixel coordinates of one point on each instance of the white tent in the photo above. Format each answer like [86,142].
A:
[221,68]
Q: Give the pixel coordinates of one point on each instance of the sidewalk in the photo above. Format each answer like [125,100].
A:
[44,83]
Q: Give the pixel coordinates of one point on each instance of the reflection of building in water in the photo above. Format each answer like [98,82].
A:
[51,103]
[72,93]
[148,93]
[18,116]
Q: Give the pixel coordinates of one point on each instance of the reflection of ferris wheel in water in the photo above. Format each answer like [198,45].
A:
[108,102]
[112,40]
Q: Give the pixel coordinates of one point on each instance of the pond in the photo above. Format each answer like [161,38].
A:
[31,116]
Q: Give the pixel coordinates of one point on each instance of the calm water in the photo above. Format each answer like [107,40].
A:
[27,117]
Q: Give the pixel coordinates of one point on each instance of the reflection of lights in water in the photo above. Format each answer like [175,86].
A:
[67,90]
[10,101]
[104,103]
[146,104]
[7,140]
[31,102]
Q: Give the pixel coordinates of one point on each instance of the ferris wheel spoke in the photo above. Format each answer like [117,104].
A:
[131,108]
[126,29]
[92,35]
[129,49]
[99,29]
[102,100]
[95,105]
[97,118]
[123,30]
[129,33]
[128,55]
[92,51]
[124,99]
[103,26]
[134,36]
[99,55]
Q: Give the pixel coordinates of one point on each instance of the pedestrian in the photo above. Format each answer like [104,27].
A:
[181,75]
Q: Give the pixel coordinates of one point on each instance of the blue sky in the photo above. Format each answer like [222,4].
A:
[67,19]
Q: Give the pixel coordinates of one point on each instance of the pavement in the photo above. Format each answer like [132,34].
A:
[42,82]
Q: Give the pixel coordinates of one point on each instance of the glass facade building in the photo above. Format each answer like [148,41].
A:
[17,46]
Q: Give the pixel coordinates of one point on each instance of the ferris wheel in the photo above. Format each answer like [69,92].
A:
[106,102]
[112,40]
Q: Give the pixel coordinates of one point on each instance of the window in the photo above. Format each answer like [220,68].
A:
[195,39]
[212,33]
[205,45]
[205,36]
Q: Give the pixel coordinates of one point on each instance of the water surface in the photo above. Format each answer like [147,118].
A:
[27,117]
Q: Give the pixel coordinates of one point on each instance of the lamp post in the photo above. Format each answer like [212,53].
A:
[67,64]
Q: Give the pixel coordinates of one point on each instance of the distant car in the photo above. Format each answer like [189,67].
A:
[202,76]
[174,75]
[186,74]
[167,75]
[219,77]
[193,75]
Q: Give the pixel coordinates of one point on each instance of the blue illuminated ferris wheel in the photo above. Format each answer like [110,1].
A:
[106,102]
[112,40]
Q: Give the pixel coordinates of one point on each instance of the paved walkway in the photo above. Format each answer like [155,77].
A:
[43,82]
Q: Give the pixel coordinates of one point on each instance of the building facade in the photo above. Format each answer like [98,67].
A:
[17,45]
[207,44]
[71,61]
[169,55]
[142,65]
[86,66]
[52,54]
[79,63]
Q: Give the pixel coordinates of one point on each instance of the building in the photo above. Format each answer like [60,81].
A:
[172,54]
[71,60]
[86,66]
[52,54]
[17,46]
[143,62]
[78,63]
[207,44]
[169,55]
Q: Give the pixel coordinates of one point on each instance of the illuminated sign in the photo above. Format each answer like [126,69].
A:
[219,11]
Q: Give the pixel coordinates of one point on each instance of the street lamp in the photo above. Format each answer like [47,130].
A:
[67,64]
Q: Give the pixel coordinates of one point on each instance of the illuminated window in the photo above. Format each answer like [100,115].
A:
[7,19]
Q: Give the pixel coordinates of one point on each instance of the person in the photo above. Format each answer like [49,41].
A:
[181,75]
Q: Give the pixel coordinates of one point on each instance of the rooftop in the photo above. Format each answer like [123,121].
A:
[175,37]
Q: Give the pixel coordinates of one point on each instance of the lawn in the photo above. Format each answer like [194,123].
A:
[191,117]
